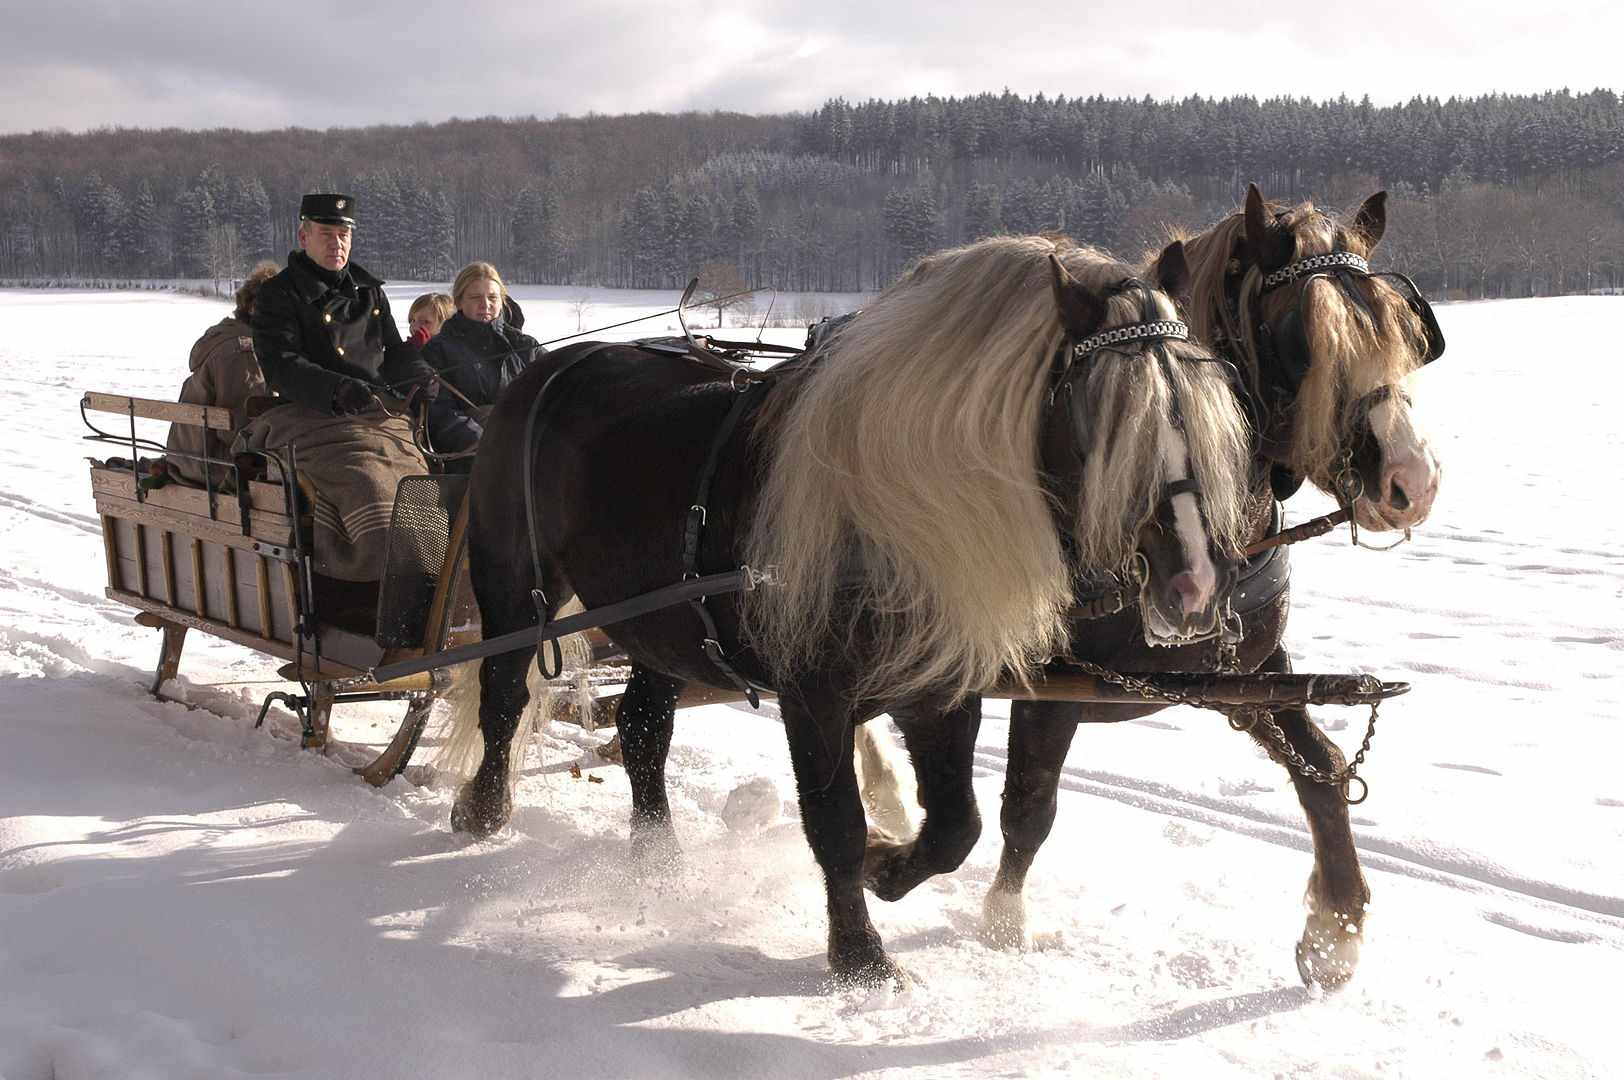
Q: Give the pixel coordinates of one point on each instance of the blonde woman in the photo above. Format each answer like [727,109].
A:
[478,350]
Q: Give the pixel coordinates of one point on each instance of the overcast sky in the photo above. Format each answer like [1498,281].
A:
[80,64]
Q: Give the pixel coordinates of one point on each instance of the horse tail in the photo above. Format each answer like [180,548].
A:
[874,755]
[463,745]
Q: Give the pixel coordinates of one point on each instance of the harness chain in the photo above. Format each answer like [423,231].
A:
[1246,718]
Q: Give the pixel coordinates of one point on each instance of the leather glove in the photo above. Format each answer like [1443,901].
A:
[352,396]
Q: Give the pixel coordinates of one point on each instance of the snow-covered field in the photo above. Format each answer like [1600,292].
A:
[183,896]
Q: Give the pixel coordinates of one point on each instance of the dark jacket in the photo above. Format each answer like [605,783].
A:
[224,372]
[480,359]
[314,328]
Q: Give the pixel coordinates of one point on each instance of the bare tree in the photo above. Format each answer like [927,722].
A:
[579,306]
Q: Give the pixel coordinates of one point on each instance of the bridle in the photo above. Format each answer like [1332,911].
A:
[1282,343]
[1071,360]
[1283,357]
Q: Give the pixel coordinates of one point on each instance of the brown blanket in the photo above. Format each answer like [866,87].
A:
[354,464]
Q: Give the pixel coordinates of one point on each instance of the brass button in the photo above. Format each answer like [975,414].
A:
[340,350]
[374,313]
[326,316]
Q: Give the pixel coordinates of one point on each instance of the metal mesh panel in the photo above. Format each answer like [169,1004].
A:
[419,534]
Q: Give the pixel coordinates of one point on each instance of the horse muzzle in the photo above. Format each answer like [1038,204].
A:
[1188,607]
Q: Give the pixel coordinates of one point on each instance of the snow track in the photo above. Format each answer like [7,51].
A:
[1456,869]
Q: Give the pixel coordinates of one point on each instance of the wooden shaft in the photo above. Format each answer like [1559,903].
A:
[1306,531]
[1059,684]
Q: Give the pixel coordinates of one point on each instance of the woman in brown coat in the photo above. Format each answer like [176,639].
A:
[224,373]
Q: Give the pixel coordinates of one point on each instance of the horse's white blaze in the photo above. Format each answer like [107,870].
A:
[1187,521]
[1407,461]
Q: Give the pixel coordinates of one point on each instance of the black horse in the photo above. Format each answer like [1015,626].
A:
[1008,416]
[1324,345]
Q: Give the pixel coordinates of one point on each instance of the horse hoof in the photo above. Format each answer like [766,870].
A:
[883,973]
[655,851]
[885,868]
[1327,953]
[1003,920]
[481,809]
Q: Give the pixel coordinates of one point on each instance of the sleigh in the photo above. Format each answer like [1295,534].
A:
[234,561]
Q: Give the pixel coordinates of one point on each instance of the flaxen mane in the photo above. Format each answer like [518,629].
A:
[904,471]
[1353,350]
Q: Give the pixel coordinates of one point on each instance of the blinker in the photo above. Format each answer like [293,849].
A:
[1402,285]
[1287,336]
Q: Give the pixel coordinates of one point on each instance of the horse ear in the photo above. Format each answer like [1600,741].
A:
[1371,219]
[1080,312]
[1257,224]
[1172,270]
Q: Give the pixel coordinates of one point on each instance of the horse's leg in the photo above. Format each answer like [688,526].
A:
[1040,734]
[644,720]
[484,803]
[501,574]
[1337,894]
[820,749]
[942,747]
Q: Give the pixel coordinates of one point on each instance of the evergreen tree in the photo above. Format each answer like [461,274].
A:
[439,245]
[193,231]
[251,216]
[982,214]
[101,225]
[144,246]
[538,233]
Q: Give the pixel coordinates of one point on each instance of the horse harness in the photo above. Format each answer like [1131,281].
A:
[743,381]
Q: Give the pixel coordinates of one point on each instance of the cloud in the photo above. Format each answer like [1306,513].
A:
[78,64]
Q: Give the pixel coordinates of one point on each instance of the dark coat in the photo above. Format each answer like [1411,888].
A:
[314,329]
[480,359]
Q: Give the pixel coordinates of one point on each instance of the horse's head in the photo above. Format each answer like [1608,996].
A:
[1329,347]
[1147,443]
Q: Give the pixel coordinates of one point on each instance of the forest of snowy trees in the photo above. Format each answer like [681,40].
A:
[1492,196]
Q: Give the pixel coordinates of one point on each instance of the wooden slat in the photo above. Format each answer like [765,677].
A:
[283,649]
[140,557]
[263,593]
[265,512]
[232,615]
[166,560]
[290,589]
[188,525]
[154,613]
[208,416]
[110,549]
[199,590]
